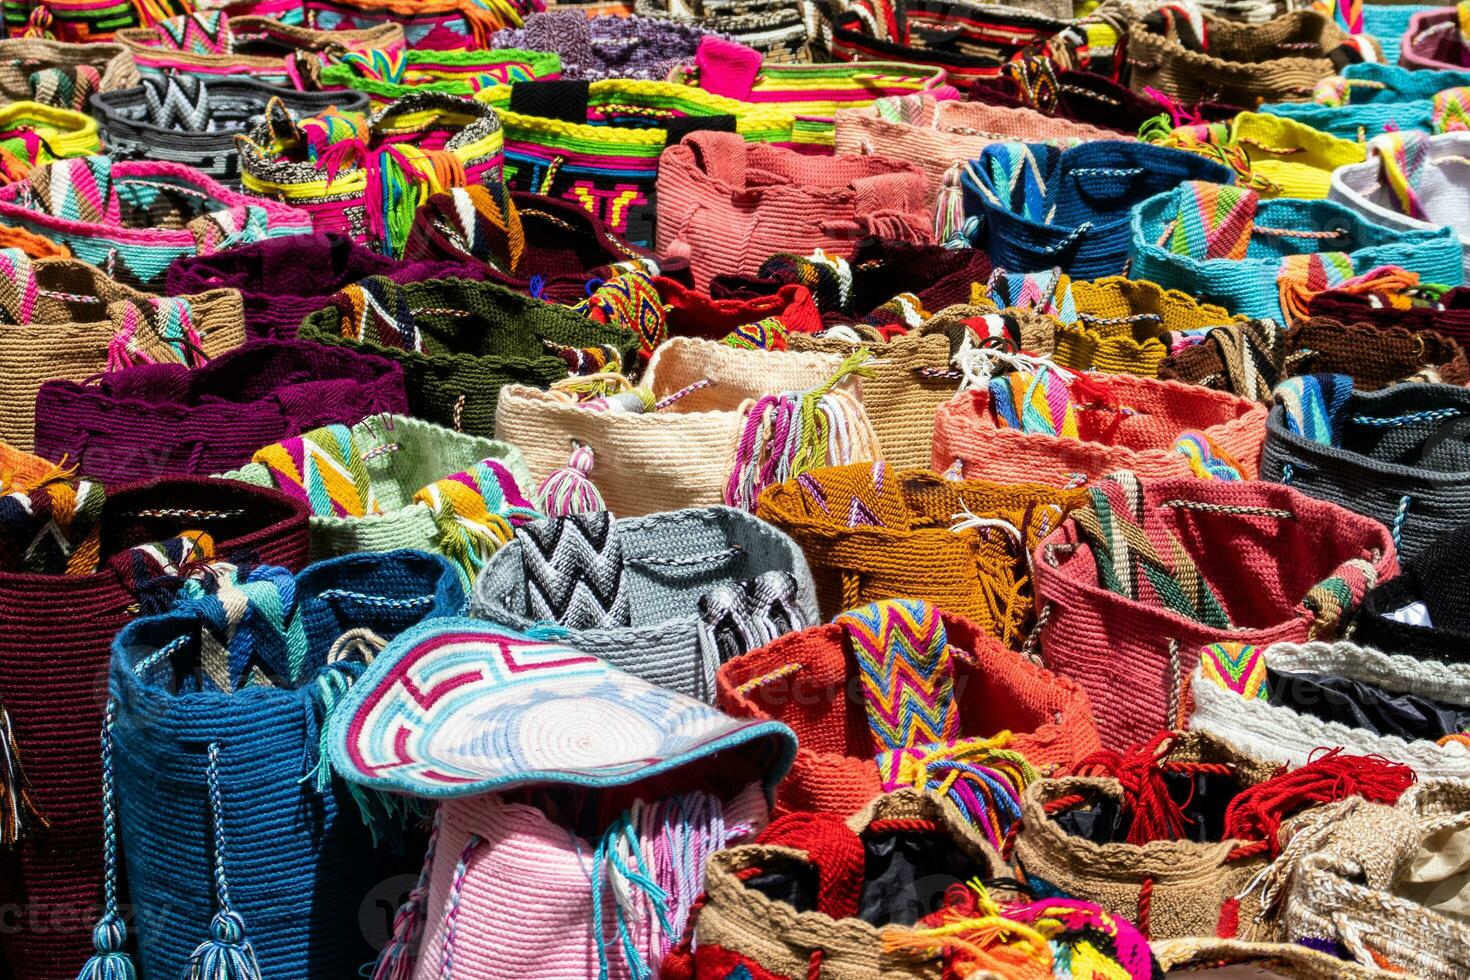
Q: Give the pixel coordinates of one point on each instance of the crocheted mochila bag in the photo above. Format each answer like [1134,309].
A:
[1422,613]
[460,341]
[667,598]
[1131,585]
[187,120]
[1366,100]
[133,218]
[367,176]
[67,320]
[1192,58]
[1042,424]
[554,820]
[211,44]
[1040,206]
[61,609]
[778,29]
[394,482]
[728,207]
[33,133]
[1435,40]
[598,144]
[605,46]
[872,532]
[1398,455]
[430,24]
[1426,309]
[282,281]
[1170,833]
[896,693]
[1286,702]
[168,419]
[1265,259]
[62,75]
[219,706]
[1277,961]
[385,78]
[698,431]
[1412,181]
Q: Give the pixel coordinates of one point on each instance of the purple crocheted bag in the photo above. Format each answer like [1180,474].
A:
[167,420]
[284,280]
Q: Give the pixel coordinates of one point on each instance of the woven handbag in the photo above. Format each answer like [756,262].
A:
[608,46]
[778,29]
[1268,961]
[218,708]
[1398,455]
[710,442]
[184,119]
[427,24]
[1441,312]
[1411,181]
[584,809]
[1265,259]
[1367,100]
[133,218]
[1124,620]
[728,207]
[1421,613]
[896,694]
[1040,206]
[58,628]
[1287,702]
[1206,59]
[62,75]
[394,482]
[460,341]
[459,73]
[67,320]
[1435,40]
[33,134]
[668,598]
[598,144]
[78,21]
[210,44]
[1009,431]
[1277,156]
[168,419]
[874,532]
[367,176]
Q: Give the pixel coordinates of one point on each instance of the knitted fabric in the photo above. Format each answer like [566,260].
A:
[703,209]
[133,218]
[1369,99]
[373,174]
[69,321]
[1435,41]
[296,852]
[203,43]
[775,28]
[282,281]
[473,339]
[1440,311]
[386,77]
[428,24]
[667,598]
[1309,565]
[1041,206]
[1267,258]
[1420,614]
[1302,962]
[33,133]
[874,532]
[167,419]
[1002,703]
[1240,64]
[1277,156]
[58,632]
[1126,326]
[72,21]
[1393,455]
[1120,423]
[683,454]
[187,120]
[1280,733]
[1410,181]
[598,144]
[601,47]
[380,486]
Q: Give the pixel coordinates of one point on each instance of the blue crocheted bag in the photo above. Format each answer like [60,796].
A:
[1368,99]
[245,856]
[1037,206]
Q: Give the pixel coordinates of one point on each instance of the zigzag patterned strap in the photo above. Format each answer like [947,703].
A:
[1039,403]
[1215,221]
[1207,461]
[1043,292]
[629,299]
[52,529]
[202,32]
[1403,156]
[66,88]
[1238,667]
[77,189]
[1314,405]
[982,777]
[376,310]
[574,571]
[152,330]
[477,512]
[323,467]
[19,290]
[1450,111]
[907,672]
[178,102]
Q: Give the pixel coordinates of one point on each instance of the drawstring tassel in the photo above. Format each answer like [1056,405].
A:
[16,809]
[397,960]
[227,954]
[110,936]
[570,490]
[110,961]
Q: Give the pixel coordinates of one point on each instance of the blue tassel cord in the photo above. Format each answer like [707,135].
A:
[110,961]
[227,954]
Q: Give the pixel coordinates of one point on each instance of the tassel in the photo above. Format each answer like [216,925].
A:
[16,809]
[570,490]
[227,954]
[110,936]
[110,961]
[396,961]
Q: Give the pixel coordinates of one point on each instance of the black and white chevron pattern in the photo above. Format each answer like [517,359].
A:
[739,616]
[178,102]
[574,571]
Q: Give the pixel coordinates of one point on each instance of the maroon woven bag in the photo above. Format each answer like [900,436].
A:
[55,636]
[167,420]
[1449,315]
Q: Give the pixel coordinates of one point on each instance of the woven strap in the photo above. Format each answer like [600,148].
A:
[178,102]
[1404,156]
[1047,292]
[152,330]
[70,87]
[477,511]
[1253,356]
[202,32]
[1207,461]
[19,290]
[52,529]
[1214,221]
[76,189]
[1332,602]
[574,571]
[1238,667]
[1314,405]
[1450,111]
[1037,403]
[325,468]
[629,300]
[981,776]
[250,633]
[154,573]
[1018,178]
[376,311]
[907,671]
[331,127]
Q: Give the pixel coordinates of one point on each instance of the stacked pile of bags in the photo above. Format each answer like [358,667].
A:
[777,490]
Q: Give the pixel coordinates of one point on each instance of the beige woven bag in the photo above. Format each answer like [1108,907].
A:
[61,319]
[57,73]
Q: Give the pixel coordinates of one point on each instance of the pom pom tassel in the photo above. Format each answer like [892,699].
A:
[110,961]
[227,954]
[570,490]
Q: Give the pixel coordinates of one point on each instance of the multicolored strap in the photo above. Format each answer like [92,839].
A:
[1043,292]
[19,290]
[69,87]
[630,300]
[331,127]
[177,102]
[1253,354]
[907,672]
[477,511]
[76,189]
[325,468]
[827,276]
[1314,405]
[1238,667]
[202,32]
[574,571]
[1214,221]
[378,65]
[1332,602]
[1449,111]
[376,310]
[1037,403]
[1302,276]
[140,325]
[250,633]
[982,777]
[1403,157]
[154,572]
[52,529]
[1018,174]
[1207,461]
